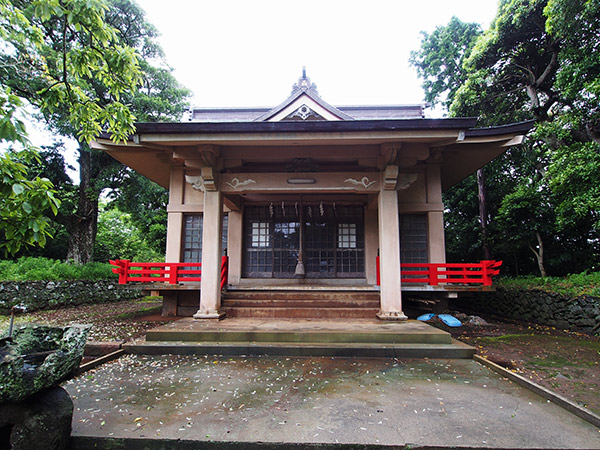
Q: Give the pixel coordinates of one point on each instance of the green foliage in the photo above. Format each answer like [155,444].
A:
[44,269]
[146,203]
[54,49]
[119,238]
[573,285]
[88,65]
[538,60]
[23,203]
[439,60]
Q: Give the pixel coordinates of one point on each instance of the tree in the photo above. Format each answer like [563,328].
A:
[539,59]
[146,204]
[439,61]
[524,217]
[50,72]
[119,237]
[52,49]
[107,54]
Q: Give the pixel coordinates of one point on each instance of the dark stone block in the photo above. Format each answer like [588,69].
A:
[42,422]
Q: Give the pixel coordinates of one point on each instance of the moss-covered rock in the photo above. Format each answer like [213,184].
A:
[38,357]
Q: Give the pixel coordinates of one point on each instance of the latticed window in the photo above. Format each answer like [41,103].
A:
[346,235]
[192,237]
[413,238]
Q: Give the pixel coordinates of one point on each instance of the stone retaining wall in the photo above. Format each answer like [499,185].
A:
[37,295]
[546,308]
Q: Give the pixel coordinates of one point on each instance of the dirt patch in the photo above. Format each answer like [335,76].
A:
[119,321]
[565,362]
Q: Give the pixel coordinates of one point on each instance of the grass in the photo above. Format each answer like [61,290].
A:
[537,336]
[574,285]
[44,269]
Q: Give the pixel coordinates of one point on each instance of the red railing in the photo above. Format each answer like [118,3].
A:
[435,274]
[172,273]
[224,271]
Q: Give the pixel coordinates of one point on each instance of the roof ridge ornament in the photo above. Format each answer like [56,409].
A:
[304,84]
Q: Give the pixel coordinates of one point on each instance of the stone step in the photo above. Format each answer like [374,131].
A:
[452,350]
[290,312]
[293,303]
[301,295]
[245,336]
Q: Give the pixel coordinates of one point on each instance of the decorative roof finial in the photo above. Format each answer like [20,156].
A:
[304,83]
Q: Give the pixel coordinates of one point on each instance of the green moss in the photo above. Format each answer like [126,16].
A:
[150,299]
[503,338]
[139,312]
[550,361]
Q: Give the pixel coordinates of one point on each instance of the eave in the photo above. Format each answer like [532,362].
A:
[150,150]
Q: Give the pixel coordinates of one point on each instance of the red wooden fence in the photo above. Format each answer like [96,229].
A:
[435,274]
[172,273]
[432,274]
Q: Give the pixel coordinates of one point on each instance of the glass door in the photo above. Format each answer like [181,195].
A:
[272,241]
[332,243]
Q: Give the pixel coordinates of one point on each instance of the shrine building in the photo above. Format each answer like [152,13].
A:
[307,209]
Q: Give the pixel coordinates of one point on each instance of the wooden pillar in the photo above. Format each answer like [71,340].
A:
[234,247]
[210,286]
[371,245]
[389,252]
[174,235]
[437,247]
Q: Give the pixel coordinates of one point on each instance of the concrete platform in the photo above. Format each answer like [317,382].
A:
[202,402]
[299,330]
[295,337]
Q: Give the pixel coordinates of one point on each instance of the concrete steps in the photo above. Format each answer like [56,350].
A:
[323,304]
[301,337]
[453,350]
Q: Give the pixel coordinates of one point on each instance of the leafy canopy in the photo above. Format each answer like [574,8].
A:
[53,49]
[57,55]
[23,202]
[439,60]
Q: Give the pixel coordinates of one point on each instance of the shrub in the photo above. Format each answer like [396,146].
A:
[573,285]
[44,269]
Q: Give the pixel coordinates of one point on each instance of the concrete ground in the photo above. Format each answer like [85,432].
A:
[447,403]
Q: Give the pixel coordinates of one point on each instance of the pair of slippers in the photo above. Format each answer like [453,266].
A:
[449,320]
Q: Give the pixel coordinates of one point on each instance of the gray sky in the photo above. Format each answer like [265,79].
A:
[249,53]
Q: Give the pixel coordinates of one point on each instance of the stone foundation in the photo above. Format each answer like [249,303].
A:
[37,295]
[580,314]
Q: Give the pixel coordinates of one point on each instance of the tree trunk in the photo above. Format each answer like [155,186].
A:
[483,215]
[84,224]
[539,254]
